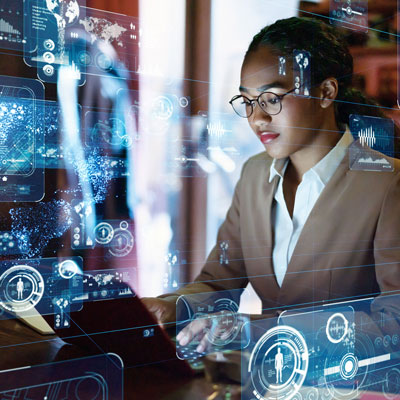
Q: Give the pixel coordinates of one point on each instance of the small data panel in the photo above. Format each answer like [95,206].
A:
[107,284]
[40,283]
[119,30]
[375,139]
[115,235]
[106,131]
[52,33]
[21,176]
[12,35]
[97,378]
[302,72]
[289,356]
[337,351]
[156,114]
[351,14]
[217,149]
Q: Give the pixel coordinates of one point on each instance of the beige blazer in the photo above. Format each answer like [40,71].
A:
[349,246]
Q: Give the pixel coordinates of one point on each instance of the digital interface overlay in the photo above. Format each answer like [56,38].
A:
[21,176]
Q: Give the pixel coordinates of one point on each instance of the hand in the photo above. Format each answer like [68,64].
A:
[164,311]
[197,329]
[216,329]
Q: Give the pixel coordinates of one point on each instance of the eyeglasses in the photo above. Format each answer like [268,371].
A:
[269,102]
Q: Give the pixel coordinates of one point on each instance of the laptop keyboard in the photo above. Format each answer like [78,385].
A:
[191,356]
[188,352]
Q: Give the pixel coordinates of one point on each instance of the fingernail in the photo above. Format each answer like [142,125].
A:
[199,348]
[183,340]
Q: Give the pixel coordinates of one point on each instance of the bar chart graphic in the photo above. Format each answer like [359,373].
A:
[11,25]
[8,28]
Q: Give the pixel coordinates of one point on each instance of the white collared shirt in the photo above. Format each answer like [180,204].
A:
[287,230]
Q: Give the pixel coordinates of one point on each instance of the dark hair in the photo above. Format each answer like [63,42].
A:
[330,57]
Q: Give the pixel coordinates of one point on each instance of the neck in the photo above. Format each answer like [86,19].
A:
[323,142]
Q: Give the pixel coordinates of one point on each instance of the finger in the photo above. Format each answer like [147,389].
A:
[204,345]
[195,328]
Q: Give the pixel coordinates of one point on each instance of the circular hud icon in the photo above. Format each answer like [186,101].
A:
[49,57]
[278,364]
[68,269]
[104,233]
[21,288]
[162,108]
[48,70]
[104,62]
[122,243]
[336,328]
[391,384]
[226,321]
[49,45]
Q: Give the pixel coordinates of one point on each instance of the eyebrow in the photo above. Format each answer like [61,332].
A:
[276,84]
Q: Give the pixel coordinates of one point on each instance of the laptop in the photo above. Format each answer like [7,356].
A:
[122,326]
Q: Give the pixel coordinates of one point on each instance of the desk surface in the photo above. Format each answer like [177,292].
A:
[21,346]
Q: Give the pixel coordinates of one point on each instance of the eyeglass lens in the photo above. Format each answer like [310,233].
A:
[269,103]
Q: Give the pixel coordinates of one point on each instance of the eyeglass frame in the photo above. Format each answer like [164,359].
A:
[252,101]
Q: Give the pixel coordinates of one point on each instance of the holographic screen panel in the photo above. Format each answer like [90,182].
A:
[45,284]
[21,134]
[12,35]
[96,378]
[53,37]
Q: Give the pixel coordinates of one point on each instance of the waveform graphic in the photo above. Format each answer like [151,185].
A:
[216,129]
[367,137]
[8,28]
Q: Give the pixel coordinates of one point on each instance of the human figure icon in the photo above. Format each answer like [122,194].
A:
[20,289]
[279,365]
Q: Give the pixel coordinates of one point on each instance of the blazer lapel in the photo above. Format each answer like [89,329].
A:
[259,258]
[269,233]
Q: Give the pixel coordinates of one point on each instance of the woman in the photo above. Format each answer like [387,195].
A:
[303,227]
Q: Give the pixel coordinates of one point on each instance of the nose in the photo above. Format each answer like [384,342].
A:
[259,117]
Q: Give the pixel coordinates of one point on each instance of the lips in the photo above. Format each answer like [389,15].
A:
[267,137]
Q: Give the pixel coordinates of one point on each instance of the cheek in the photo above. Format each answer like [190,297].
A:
[252,125]
[302,114]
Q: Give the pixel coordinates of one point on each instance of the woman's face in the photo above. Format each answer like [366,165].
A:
[297,128]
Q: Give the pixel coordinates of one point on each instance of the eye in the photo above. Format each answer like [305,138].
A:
[274,100]
[263,103]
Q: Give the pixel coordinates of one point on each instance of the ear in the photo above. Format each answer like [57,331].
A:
[328,92]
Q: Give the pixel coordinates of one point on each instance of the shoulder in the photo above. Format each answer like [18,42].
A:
[373,175]
[258,164]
